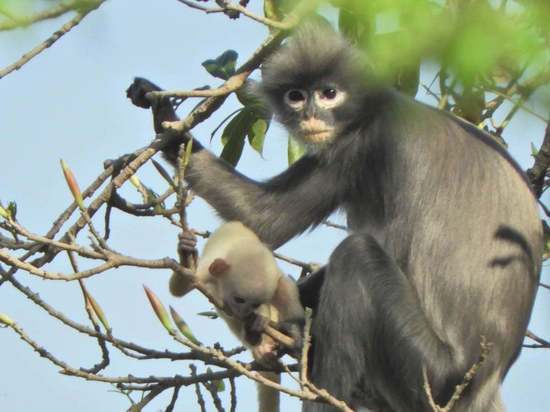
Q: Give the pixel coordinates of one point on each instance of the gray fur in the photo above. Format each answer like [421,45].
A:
[445,247]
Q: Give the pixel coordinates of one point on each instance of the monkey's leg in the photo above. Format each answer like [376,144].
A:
[372,338]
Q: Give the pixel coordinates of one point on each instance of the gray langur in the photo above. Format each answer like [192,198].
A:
[240,271]
[445,240]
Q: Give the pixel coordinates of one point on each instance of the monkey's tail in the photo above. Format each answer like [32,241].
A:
[268,398]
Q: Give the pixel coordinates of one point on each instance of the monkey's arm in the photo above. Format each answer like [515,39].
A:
[286,301]
[276,210]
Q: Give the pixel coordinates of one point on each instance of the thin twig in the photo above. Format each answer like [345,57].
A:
[485,348]
[50,40]
[287,24]
[112,261]
[174,399]
[52,13]
[200,398]
[305,349]
[233,407]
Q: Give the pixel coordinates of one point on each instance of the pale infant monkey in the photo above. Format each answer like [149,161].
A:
[239,270]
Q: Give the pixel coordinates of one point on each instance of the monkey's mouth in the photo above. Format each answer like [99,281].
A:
[317,136]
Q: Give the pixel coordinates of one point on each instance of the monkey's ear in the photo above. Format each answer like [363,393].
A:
[218,267]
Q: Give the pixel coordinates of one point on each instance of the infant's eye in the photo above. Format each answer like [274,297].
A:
[238,300]
[329,93]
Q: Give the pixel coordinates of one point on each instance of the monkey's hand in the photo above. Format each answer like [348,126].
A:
[137,91]
[163,108]
[264,348]
[163,111]
[254,325]
[265,352]
[294,329]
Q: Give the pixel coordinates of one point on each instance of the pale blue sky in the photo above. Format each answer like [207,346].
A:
[70,103]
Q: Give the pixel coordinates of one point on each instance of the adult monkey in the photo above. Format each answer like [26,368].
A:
[445,245]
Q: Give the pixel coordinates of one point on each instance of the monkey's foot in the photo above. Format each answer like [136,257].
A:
[187,243]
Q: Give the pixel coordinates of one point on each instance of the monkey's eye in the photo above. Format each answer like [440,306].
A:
[238,300]
[329,93]
[295,98]
[255,305]
[329,97]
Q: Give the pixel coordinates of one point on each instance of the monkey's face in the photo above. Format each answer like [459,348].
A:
[239,307]
[311,114]
[315,85]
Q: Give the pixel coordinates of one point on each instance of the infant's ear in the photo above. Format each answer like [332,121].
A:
[218,267]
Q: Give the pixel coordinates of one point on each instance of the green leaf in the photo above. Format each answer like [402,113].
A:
[165,175]
[152,196]
[233,150]
[4,213]
[12,207]
[218,384]
[222,66]
[233,136]
[256,134]
[209,314]
[534,150]
[295,150]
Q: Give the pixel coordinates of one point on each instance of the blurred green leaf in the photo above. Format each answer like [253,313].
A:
[256,134]
[12,208]
[474,40]
[534,150]
[6,320]
[222,66]
[218,384]
[4,213]
[295,150]
[209,314]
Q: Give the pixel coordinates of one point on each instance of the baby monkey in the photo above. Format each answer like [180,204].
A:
[240,271]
